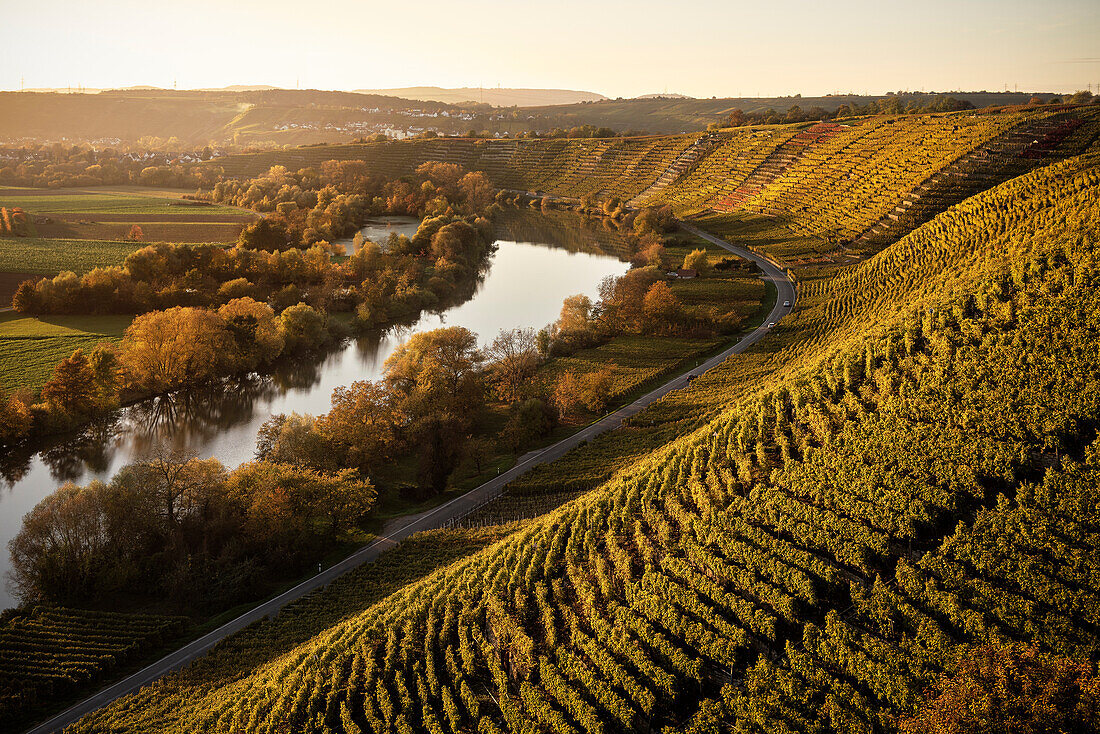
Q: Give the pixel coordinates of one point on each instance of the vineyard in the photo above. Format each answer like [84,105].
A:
[798,541]
[46,654]
[862,180]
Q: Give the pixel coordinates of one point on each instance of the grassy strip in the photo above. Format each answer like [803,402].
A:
[91,202]
[30,347]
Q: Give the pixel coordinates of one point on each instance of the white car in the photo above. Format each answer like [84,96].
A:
[786,304]
[771,324]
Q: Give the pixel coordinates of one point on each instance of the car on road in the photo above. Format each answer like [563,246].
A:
[786,304]
[771,324]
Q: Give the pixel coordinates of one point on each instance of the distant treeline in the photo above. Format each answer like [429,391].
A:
[897,104]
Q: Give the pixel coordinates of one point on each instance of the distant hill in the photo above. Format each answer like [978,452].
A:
[266,117]
[496,96]
[665,95]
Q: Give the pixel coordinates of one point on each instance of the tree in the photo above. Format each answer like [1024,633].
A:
[136,234]
[64,546]
[621,299]
[256,334]
[24,300]
[513,360]
[662,308]
[478,451]
[284,503]
[178,484]
[295,440]
[575,313]
[164,350]
[269,234]
[650,253]
[597,388]
[698,261]
[72,389]
[436,381]
[303,328]
[437,371]
[362,424]
[1010,688]
[527,421]
[567,395]
[15,419]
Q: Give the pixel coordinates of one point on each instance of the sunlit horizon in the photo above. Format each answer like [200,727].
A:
[699,48]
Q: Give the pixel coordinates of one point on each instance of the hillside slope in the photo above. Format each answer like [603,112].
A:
[918,471]
[495,96]
[833,181]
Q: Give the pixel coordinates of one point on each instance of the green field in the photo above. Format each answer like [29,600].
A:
[49,257]
[69,201]
[30,347]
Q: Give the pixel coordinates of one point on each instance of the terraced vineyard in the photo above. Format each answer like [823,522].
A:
[838,181]
[805,538]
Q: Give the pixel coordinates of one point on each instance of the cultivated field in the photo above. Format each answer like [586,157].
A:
[31,347]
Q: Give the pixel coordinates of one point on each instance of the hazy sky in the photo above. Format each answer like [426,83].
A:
[695,47]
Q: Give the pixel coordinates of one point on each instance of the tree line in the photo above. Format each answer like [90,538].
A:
[184,529]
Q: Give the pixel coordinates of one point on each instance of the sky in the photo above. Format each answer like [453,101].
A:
[701,48]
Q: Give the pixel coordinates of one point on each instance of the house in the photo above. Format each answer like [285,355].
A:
[686,273]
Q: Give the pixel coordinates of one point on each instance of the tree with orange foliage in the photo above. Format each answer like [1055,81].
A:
[72,389]
[1013,689]
[663,310]
[136,234]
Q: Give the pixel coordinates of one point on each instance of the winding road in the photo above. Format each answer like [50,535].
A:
[439,516]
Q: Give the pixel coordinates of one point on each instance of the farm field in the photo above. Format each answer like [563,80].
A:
[109,213]
[49,256]
[31,347]
[108,200]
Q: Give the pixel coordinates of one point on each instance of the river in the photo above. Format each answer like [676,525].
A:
[540,259]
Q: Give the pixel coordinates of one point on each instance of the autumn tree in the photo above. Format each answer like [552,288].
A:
[303,328]
[1010,688]
[663,310]
[164,350]
[72,547]
[15,419]
[698,261]
[363,424]
[268,233]
[513,360]
[437,385]
[596,390]
[575,312]
[136,234]
[622,299]
[476,454]
[178,484]
[567,395]
[257,337]
[72,388]
[575,392]
[294,439]
[527,421]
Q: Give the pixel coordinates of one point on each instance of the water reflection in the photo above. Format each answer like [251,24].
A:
[540,261]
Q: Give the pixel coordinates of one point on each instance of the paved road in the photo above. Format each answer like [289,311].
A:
[436,517]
